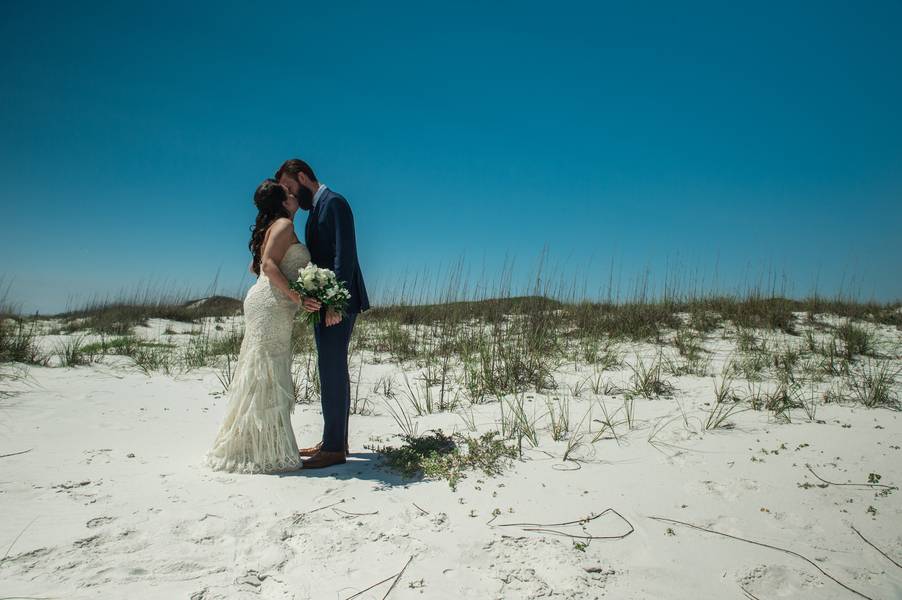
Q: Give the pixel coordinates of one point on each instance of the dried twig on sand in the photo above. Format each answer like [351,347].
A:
[299,516]
[868,542]
[546,527]
[868,485]
[396,577]
[345,513]
[16,453]
[17,538]
[762,544]
[748,594]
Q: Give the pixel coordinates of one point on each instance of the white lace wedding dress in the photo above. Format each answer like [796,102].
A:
[256,434]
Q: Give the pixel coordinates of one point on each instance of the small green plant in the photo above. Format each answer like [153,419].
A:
[437,455]
[559,417]
[782,399]
[468,417]
[19,342]
[688,343]
[809,404]
[118,345]
[385,386]
[726,403]
[226,372]
[750,365]
[607,423]
[746,340]
[404,421]
[360,405]
[873,383]
[199,351]
[855,339]
[150,358]
[517,424]
[305,380]
[575,441]
[703,320]
[71,352]
[576,389]
[697,365]
[227,345]
[602,353]
[647,380]
[629,410]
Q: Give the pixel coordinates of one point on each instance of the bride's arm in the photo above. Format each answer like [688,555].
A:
[274,248]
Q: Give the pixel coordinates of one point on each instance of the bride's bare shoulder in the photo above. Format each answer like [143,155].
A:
[283,222]
[281,226]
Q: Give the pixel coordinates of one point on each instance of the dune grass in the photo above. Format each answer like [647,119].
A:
[461,344]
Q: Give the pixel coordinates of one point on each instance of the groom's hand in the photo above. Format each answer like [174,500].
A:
[332,318]
[312,305]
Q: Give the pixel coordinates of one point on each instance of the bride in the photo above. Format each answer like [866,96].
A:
[256,434]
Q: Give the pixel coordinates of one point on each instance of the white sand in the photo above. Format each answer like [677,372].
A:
[111,501]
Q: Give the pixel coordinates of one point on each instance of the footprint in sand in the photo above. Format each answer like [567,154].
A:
[71,485]
[241,501]
[91,455]
[27,560]
[781,581]
[78,490]
[728,490]
[99,522]
[251,581]
[88,542]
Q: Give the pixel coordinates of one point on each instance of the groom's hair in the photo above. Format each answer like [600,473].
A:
[293,166]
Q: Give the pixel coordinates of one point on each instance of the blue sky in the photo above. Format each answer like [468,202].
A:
[712,143]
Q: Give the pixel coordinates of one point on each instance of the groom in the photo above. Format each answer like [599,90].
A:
[332,244]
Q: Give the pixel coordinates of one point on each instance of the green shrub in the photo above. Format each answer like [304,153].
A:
[442,456]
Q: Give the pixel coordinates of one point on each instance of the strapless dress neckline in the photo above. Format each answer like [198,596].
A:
[296,258]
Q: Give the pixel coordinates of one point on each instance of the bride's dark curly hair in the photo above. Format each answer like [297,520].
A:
[268,199]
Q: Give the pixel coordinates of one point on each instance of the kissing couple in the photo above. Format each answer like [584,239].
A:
[256,434]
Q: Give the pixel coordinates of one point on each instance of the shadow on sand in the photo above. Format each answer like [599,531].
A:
[360,465]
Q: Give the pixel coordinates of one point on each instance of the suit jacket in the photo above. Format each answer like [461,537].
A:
[332,243]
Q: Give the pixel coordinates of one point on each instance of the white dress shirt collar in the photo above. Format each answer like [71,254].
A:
[319,192]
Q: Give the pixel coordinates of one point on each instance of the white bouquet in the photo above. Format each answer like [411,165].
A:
[321,284]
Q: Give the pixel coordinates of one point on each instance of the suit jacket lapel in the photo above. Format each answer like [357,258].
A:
[311,221]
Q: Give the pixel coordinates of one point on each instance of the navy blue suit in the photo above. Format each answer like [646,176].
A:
[332,243]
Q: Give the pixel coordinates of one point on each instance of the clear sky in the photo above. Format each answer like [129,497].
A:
[706,142]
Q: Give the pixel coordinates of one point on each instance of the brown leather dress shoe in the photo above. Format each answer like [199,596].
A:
[308,452]
[324,458]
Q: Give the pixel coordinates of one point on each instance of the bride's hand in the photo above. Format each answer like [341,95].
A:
[311,304]
[295,297]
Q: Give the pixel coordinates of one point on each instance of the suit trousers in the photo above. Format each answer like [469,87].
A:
[335,383]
